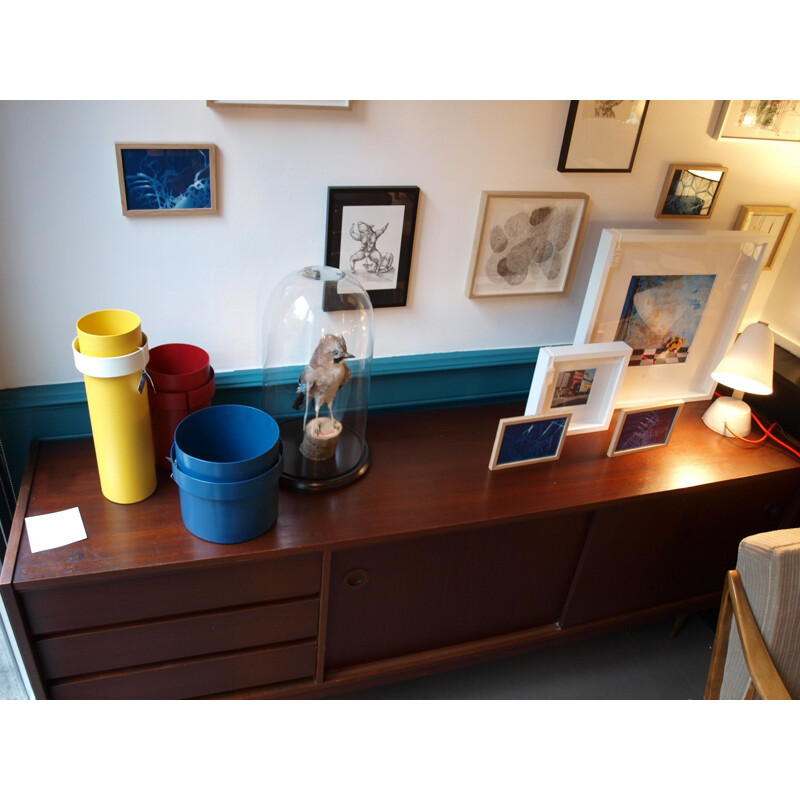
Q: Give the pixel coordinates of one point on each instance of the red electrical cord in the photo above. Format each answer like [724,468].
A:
[767,434]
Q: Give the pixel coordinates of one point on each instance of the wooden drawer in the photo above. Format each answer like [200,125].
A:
[100,650]
[196,677]
[118,599]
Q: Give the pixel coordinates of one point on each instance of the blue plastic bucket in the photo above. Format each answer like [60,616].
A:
[232,512]
[226,443]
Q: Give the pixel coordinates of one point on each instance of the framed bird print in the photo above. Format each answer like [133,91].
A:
[525,243]
[529,439]
[370,235]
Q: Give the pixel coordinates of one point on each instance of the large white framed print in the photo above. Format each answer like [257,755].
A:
[677,298]
[583,378]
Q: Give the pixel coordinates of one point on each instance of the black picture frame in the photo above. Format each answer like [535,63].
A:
[350,208]
[601,140]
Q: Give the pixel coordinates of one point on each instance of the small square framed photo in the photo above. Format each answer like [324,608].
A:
[525,243]
[690,191]
[370,234]
[774,220]
[644,428]
[583,378]
[167,178]
[529,439]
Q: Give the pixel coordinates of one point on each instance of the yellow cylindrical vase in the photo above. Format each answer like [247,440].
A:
[111,352]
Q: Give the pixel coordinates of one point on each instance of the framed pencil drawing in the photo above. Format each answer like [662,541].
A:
[370,234]
[167,178]
[771,120]
[690,191]
[602,135]
[525,243]
[584,378]
[643,428]
[677,298]
[767,219]
[529,439]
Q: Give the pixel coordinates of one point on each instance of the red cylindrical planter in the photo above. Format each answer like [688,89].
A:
[181,382]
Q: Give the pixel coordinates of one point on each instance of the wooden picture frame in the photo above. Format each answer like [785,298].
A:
[526,243]
[584,378]
[699,287]
[602,135]
[765,120]
[529,439]
[643,428]
[774,220]
[171,179]
[690,191]
[370,233]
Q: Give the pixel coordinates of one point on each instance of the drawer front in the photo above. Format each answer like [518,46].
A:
[195,678]
[87,652]
[121,600]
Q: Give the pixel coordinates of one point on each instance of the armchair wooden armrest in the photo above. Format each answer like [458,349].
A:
[764,678]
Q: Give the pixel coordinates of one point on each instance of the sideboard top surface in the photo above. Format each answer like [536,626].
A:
[429,472]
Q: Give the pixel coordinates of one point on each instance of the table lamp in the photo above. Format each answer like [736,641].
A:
[747,367]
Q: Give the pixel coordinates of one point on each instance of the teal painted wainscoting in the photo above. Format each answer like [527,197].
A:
[433,380]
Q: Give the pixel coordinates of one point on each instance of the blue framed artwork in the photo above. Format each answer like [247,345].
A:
[644,428]
[529,439]
[167,178]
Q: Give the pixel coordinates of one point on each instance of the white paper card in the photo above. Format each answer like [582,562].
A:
[47,531]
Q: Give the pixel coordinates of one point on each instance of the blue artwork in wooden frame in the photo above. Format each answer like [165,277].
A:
[529,439]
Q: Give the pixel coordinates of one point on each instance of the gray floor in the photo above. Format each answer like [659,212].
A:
[640,664]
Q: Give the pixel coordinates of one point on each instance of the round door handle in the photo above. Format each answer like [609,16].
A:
[355,578]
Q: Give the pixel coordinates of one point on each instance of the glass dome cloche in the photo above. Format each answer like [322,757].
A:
[317,342]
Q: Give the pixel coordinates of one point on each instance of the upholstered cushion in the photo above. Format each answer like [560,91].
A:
[769,564]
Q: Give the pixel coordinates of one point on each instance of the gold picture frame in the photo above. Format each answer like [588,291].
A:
[774,220]
[167,179]
[690,191]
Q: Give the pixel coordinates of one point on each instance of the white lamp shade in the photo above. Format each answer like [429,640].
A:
[748,365]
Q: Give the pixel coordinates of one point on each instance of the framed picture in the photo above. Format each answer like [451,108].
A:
[583,378]
[370,235]
[529,439]
[767,219]
[773,120]
[525,243]
[602,135]
[677,298]
[167,178]
[345,104]
[690,192]
[644,428]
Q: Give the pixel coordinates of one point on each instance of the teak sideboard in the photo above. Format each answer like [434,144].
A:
[429,562]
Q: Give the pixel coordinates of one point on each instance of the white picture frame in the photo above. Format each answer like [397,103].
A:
[529,439]
[627,258]
[644,428]
[584,378]
[770,120]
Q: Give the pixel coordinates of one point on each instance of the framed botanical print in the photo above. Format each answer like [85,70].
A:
[525,243]
[583,378]
[677,298]
[172,179]
[774,220]
[370,235]
[771,120]
[602,135]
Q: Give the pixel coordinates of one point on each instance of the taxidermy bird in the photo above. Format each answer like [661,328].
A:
[325,374]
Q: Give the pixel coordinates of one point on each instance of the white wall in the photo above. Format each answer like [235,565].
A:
[66,249]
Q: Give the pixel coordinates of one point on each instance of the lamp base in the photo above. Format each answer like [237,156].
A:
[728,416]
